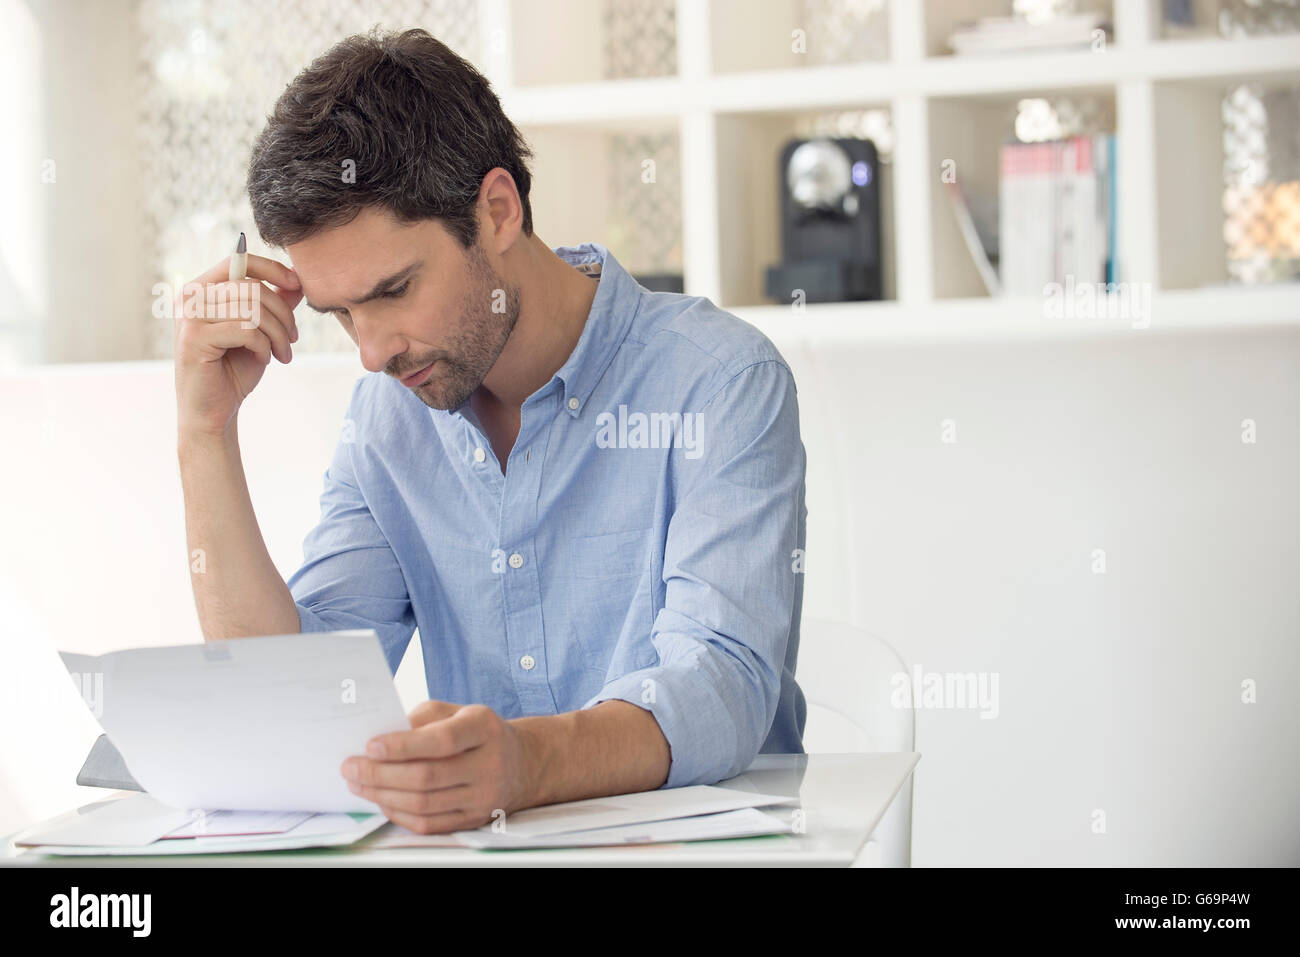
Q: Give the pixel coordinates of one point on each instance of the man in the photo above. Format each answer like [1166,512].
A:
[589,498]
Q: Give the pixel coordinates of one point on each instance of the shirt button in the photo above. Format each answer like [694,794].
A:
[479,455]
[516,560]
[527,663]
[573,403]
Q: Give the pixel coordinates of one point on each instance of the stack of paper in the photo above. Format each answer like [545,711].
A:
[699,813]
[140,825]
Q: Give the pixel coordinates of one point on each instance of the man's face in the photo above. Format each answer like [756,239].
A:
[409,296]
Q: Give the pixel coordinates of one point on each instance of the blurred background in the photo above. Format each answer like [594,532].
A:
[1034,264]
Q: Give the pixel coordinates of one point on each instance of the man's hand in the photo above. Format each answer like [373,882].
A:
[456,767]
[225,336]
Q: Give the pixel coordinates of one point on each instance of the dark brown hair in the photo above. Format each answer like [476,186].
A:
[420,125]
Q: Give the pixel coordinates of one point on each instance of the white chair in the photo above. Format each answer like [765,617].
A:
[845,673]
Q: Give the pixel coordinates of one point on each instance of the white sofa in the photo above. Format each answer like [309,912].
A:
[1120,735]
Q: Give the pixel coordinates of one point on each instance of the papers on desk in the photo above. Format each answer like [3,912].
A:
[745,822]
[237,823]
[246,724]
[638,808]
[140,825]
[254,731]
[697,813]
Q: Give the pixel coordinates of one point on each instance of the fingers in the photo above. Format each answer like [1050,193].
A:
[425,775]
[433,824]
[418,802]
[467,728]
[427,711]
[212,340]
[251,303]
[259,267]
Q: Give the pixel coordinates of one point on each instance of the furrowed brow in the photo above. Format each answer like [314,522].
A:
[376,291]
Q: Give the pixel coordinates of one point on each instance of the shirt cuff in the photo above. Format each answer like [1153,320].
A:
[707,742]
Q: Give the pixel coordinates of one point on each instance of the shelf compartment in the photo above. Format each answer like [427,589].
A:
[748,151]
[1231,19]
[589,41]
[943,16]
[1228,183]
[748,35]
[616,184]
[966,137]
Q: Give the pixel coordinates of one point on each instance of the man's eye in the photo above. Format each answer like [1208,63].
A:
[396,291]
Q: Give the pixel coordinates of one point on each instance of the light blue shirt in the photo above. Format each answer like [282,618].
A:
[645,542]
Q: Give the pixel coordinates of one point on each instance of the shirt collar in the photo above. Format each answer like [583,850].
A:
[607,325]
[612,312]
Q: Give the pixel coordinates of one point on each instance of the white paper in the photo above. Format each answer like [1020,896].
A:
[318,830]
[745,822]
[636,808]
[138,819]
[397,836]
[237,823]
[246,724]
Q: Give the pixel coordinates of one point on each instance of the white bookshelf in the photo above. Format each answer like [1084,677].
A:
[735,97]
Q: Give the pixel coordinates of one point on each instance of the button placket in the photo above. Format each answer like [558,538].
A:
[521,584]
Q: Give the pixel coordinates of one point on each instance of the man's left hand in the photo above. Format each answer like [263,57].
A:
[459,767]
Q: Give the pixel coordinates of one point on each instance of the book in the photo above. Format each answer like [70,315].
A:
[1056,210]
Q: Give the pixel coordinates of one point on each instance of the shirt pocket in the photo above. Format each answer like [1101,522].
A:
[609,555]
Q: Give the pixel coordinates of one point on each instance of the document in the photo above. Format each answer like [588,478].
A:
[698,813]
[245,724]
[237,823]
[745,822]
[637,808]
[138,819]
[138,825]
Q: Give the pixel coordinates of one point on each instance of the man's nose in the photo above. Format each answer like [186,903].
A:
[377,346]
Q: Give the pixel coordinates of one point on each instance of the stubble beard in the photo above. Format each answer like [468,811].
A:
[483,335]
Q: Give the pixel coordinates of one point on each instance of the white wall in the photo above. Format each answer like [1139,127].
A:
[97,290]
[94,553]
[1118,692]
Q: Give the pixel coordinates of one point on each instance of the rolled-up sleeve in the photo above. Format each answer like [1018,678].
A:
[350,577]
[730,585]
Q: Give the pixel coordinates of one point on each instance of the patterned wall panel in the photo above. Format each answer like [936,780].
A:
[844,31]
[1038,119]
[208,74]
[1229,18]
[644,185]
[1261,173]
[876,125]
[640,38]
[1251,18]
[645,230]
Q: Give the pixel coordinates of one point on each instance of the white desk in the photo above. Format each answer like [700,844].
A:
[843,797]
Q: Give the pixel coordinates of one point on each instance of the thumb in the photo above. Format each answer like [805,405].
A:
[427,712]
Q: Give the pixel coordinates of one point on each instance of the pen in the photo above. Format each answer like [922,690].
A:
[239,260]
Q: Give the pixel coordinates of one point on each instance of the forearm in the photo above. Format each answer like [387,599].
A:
[613,748]
[237,589]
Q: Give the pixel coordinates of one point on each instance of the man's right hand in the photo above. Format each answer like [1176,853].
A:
[224,340]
